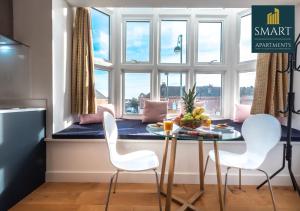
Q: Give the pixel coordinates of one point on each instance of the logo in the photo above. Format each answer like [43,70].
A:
[273,17]
[273,29]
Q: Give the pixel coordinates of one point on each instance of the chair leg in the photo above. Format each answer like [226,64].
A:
[206,162]
[109,191]
[158,189]
[116,181]
[270,188]
[225,188]
[240,179]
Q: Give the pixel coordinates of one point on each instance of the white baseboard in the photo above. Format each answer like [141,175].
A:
[148,177]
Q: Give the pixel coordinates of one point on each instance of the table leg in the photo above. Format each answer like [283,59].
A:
[219,179]
[163,166]
[171,174]
[201,171]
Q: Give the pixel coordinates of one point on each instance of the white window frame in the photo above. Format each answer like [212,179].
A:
[228,68]
[222,73]
[137,18]
[211,19]
[178,17]
[107,65]
[124,71]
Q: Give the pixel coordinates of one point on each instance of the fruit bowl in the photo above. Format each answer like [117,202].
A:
[191,120]
[190,124]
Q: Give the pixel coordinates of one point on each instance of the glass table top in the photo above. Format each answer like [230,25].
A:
[199,134]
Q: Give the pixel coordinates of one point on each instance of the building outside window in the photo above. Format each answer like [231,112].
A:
[172,86]
[136,91]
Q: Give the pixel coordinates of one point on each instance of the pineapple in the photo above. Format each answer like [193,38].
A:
[189,99]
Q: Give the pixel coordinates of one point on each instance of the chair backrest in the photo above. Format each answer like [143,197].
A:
[261,133]
[111,135]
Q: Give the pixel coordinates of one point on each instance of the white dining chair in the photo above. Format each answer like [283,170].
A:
[137,161]
[261,133]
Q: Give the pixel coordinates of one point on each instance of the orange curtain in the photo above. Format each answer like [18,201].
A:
[270,93]
[83,92]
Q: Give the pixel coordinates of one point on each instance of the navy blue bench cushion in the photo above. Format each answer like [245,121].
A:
[135,129]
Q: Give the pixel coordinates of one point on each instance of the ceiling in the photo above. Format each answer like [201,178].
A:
[180,3]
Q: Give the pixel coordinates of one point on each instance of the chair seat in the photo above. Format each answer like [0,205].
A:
[137,161]
[243,161]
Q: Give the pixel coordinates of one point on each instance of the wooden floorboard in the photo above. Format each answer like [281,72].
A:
[142,197]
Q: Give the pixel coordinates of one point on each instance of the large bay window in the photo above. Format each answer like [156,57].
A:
[158,53]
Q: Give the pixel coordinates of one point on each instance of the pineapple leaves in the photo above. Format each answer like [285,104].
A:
[189,99]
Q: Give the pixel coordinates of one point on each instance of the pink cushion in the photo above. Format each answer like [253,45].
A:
[98,117]
[242,112]
[155,111]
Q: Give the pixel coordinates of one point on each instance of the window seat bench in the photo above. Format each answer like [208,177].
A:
[135,129]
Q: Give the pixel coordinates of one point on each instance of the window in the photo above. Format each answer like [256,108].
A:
[171,90]
[101,34]
[137,41]
[173,41]
[209,42]
[246,84]
[209,92]
[101,86]
[245,40]
[136,92]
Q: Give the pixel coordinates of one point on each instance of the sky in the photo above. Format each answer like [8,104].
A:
[245,41]
[138,44]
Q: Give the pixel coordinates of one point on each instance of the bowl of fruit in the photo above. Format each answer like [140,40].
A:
[193,116]
[192,120]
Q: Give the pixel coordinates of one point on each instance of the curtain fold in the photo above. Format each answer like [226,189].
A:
[270,93]
[82,84]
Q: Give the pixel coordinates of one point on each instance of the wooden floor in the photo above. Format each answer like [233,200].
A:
[142,197]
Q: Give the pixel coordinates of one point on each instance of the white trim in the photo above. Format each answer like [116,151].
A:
[147,177]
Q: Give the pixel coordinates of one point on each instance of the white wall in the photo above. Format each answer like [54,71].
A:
[46,26]
[62,19]
[87,161]
[296,119]
[32,25]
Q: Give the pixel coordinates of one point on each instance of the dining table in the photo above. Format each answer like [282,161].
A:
[212,134]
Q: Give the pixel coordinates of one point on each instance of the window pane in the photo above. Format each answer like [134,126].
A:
[101,86]
[101,34]
[209,92]
[209,42]
[173,35]
[171,89]
[246,82]
[137,90]
[245,40]
[137,41]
